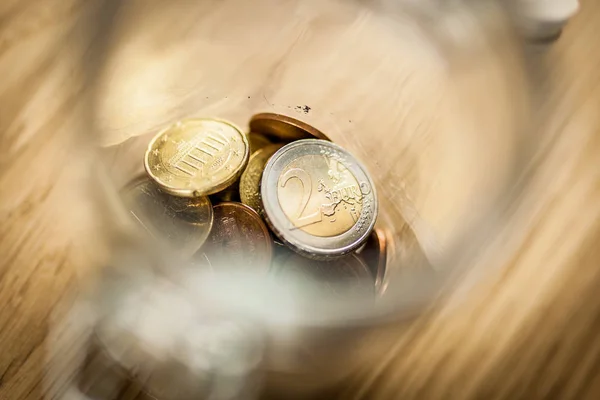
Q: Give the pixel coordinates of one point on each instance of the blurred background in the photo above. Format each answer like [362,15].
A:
[477,120]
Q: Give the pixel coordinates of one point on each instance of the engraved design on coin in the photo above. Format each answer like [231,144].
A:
[318,199]
[201,154]
[319,195]
[197,156]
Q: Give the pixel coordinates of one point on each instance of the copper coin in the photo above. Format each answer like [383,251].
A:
[239,238]
[339,277]
[375,255]
[257,141]
[251,178]
[282,127]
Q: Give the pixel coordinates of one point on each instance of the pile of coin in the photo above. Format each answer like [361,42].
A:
[282,199]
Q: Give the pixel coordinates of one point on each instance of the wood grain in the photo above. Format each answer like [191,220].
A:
[418,102]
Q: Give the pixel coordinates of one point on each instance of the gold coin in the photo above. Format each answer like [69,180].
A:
[196,157]
[182,224]
[250,180]
[230,193]
[257,141]
[282,127]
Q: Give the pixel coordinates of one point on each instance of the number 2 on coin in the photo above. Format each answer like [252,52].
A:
[301,220]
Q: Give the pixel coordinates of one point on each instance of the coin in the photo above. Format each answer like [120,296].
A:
[197,157]
[181,223]
[239,238]
[318,199]
[375,255]
[250,180]
[342,276]
[230,193]
[282,127]
[257,141]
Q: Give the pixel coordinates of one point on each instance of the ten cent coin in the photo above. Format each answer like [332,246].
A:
[239,238]
[196,157]
[250,180]
[181,223]
[282,127]
[318,199]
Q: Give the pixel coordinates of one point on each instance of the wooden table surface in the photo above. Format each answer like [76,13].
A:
[524,331]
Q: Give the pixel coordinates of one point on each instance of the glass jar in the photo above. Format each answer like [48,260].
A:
[430,96]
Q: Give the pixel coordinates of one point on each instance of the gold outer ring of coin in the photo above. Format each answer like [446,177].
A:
[252,175]
[197,157]
[318,199]
[284,128]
